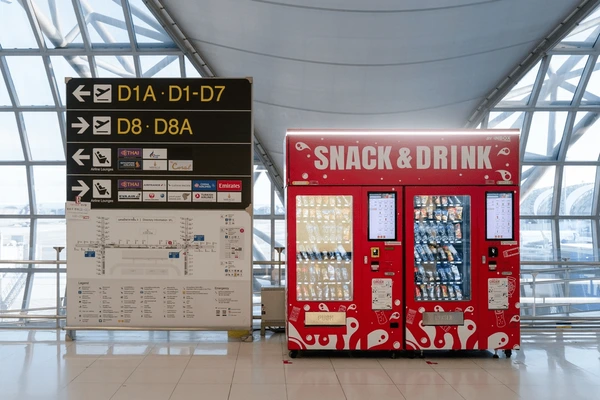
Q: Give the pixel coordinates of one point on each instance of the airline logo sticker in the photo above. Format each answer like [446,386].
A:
[155,185]
[130,196]
[181,165]
[229,186]
[155,154]
[155,196]
[209,186]
[155,165]
[130,153]
[129,184]
[180,185]
[205,197]
[179,197]
[229,197]
[129,164]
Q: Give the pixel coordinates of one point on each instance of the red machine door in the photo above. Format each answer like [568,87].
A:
[380,266]
[324,296]
[442,295]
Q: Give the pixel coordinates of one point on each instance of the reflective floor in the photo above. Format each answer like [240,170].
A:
[182,365]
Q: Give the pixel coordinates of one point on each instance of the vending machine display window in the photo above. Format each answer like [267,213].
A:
[324,248]
[442,266]
[499,216]
[382,216]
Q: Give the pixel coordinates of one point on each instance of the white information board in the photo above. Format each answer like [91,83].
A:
[165,268]
[382,216]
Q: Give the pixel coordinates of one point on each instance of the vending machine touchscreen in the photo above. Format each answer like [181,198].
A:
[382,216]
[499,216]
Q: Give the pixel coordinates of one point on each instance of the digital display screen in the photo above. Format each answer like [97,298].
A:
[499,216]
[382,216]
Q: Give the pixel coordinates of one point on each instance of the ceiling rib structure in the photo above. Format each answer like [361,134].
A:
[352,64]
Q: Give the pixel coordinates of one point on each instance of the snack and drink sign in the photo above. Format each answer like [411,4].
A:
[402,157]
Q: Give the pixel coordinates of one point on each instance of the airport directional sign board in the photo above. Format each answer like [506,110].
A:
[160,143]
[159,192]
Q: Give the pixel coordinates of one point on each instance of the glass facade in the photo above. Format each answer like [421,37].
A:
[557,106]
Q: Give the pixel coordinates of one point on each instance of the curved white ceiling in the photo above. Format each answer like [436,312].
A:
[347,64]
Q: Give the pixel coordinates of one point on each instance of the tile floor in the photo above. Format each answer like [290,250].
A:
[186,366]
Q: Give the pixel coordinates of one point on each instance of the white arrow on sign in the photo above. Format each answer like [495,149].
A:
[78,157]
[79,93]
[82,188]
[82,125]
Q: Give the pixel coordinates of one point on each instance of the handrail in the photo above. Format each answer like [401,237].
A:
[591,263]
[529,323]
[33,262]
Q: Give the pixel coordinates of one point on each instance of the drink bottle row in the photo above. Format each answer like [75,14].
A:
[324,201]
[326,232]
[436,252]
[323,273]
[323,292]
[340,214]
[437,232]
[436,291]
[312,253]
[444,272]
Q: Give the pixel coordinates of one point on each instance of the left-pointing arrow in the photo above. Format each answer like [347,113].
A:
[82,125]
[79,93]
[78,157]
[82,188]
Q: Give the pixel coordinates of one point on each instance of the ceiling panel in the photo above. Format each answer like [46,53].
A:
[334,64]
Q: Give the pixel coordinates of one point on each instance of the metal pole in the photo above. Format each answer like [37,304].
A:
[534,275]
[58,249]
[279,249]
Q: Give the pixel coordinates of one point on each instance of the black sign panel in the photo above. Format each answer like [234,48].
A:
[159,94]
[160,143]
[160,159]
[159,126]
[161,192]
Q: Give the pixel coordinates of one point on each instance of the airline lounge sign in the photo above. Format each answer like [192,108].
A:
[160,143]
[403,158]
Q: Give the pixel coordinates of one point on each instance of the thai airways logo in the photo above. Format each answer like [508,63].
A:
[129,184]
[130,153]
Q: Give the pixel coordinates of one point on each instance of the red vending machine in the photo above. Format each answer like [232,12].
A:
[403,240]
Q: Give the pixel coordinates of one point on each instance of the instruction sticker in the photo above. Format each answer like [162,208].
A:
[381,294]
